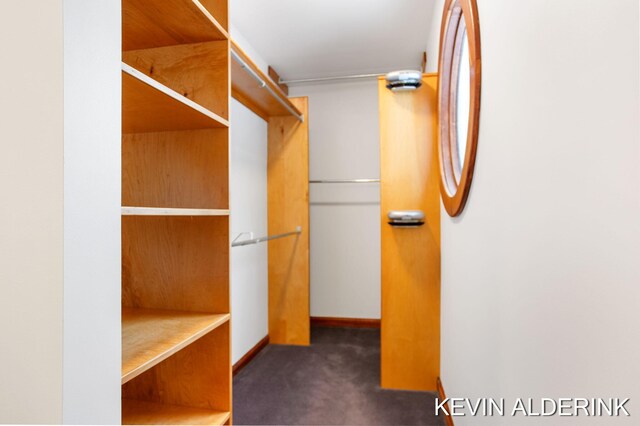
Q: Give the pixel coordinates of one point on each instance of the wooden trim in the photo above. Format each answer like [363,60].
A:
[455,191]
[345,322]
[273,74]
[447,418]
[249,356]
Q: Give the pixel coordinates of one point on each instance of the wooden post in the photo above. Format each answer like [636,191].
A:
[410,326]
[288,207]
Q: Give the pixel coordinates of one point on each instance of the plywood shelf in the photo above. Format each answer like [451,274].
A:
[157,211]
[147,24]
[142,412]
[148,106]
[246,90]
[150,336]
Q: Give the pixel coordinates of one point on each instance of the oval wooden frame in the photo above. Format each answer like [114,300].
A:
[455,179]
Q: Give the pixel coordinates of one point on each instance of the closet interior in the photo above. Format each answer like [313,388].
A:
[180,69]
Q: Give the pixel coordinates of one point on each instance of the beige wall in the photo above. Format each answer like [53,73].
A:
[31,217]
[541,274]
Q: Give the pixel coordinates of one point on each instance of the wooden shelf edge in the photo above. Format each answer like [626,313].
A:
[244,96]
[172,94]
[162,211]
[144,412]
[155,350]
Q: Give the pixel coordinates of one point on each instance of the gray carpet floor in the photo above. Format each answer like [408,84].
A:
[335,381]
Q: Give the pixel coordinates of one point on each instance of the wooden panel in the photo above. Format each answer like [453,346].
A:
[245,89]
[219,10]
[149,413]
[179,263]
[345,322]
[147,24]
[197,376]
[148,106]
[410,329]
[246,100]
[275,77]
[149,336]
[288,207]
[199,72]
[188,169]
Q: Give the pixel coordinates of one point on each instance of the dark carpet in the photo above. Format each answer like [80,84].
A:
[335,381]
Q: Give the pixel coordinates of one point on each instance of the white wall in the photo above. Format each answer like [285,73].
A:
[248,197]
[248,192]
[247,47]
[92,86]
[31,212]
[540,284]
[344,218]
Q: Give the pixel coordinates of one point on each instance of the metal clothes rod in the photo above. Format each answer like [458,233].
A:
[345,181]
[264,85]
[325,79]
[263,239]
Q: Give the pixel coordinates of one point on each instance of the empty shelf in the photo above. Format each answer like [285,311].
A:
[148,106]
[147,24]
[161,211]
[150,336]
[141,412]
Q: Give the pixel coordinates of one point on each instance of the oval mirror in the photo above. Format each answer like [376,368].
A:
[459,101]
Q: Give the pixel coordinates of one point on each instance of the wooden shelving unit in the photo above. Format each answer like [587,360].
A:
[176,354]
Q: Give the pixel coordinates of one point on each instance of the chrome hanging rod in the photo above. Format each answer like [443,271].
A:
[263,239]
[264,85]
[345,181]
[327,79]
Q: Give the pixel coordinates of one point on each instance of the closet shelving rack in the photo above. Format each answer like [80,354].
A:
[176,358]
[287,196]
[251,87]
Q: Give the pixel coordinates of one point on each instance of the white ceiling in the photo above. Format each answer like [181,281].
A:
[322,38]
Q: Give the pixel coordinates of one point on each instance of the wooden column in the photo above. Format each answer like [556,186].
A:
[288,207]
[410,326]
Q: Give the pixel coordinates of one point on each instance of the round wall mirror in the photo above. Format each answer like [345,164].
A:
[459,71]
